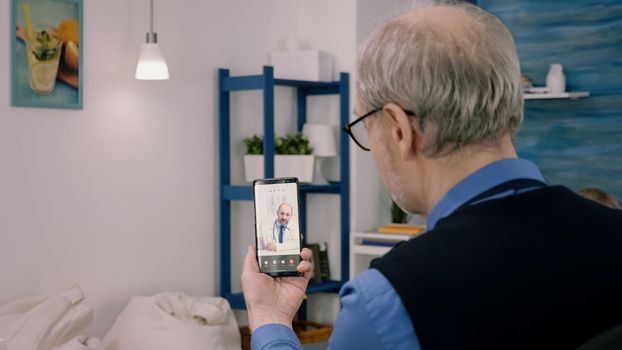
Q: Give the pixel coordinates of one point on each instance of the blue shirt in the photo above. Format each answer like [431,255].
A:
[372,315]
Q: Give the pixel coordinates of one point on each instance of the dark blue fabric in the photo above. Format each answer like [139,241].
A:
[535,270]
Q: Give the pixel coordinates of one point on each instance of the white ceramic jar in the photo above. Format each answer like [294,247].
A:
[555,79]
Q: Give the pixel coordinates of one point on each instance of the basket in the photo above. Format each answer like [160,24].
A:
[306,331]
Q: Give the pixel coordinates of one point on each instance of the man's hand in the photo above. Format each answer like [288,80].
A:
[271,246]
[273,300]
[263,245]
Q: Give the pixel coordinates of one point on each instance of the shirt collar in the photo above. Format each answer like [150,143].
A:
[481,180]
[278,224]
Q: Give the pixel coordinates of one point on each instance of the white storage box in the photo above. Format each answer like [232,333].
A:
[303,65]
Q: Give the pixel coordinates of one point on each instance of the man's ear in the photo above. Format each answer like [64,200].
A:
[402,131]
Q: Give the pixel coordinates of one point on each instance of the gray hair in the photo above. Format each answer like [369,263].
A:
[463,91]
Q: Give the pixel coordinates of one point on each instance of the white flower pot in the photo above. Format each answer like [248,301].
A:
[300,166]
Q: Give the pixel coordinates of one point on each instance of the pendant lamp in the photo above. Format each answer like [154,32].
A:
[151,64]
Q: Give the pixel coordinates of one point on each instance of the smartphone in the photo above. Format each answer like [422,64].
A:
[277,226]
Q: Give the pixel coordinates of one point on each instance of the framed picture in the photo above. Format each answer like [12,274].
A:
[46,53]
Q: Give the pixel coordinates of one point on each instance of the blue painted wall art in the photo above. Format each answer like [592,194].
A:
[577,143]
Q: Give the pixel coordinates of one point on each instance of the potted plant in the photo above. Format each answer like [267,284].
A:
[400,223]
[293,157]
[398,216]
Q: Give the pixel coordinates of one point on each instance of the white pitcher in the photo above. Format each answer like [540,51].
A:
[555,79]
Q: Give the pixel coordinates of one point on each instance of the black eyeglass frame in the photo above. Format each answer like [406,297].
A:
[348,128]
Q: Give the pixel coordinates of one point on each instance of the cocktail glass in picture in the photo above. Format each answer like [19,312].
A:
[46,51]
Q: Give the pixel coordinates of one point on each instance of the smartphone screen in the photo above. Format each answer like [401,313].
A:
[277,226]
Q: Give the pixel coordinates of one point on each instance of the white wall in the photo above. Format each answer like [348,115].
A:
[329,26]
[373,201]
[121,197]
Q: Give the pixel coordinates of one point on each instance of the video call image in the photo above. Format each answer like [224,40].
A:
[278,232]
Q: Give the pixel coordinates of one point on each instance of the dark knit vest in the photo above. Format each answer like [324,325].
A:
[537,270]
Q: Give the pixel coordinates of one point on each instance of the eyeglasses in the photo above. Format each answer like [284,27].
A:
[358,131]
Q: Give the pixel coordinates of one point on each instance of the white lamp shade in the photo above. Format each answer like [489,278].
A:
[321,138]
[151,63]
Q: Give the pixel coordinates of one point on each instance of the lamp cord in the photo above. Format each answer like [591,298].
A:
[151,22]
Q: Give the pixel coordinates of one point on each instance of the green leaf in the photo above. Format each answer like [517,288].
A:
[398,216]
[254,144]
[44,38]
[289,144]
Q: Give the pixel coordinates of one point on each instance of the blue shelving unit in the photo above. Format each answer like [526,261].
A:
[228,192]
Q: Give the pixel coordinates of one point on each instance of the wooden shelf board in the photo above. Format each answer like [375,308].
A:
[547,96]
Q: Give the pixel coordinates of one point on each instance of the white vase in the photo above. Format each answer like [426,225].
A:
[555,79]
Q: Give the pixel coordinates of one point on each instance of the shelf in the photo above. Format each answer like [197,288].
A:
[361,254]
[266,83]
[384,236]
[358,247]
[306,84]
[245,192]
[237,299]
[256,82]
[369,250]
[546,96]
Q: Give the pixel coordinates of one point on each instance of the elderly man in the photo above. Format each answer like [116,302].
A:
[508,261]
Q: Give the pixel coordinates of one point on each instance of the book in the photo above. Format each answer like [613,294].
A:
[324,265]
[378,243]
[403,229]
[316,277]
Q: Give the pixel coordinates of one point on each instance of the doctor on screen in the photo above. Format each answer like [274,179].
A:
[281,234]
